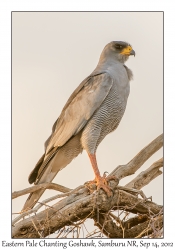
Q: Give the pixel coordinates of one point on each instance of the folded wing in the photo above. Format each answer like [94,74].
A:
[81,105]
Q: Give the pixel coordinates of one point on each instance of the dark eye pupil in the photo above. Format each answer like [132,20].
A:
[118,46]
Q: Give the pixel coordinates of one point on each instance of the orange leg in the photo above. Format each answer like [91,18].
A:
[101,182]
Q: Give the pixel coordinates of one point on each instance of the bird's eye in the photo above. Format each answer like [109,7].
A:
[118,46]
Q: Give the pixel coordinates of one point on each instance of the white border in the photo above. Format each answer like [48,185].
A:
[5,92]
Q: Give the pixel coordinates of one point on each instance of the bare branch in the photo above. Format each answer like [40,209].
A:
[146,176]
[131,167]
[78,206]
[34,188]
[35,209]
[111,230]
[135,221]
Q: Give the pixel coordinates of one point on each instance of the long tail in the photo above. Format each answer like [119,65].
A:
[45,170]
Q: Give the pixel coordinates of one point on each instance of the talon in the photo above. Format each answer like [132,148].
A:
[104,175]
[100,182]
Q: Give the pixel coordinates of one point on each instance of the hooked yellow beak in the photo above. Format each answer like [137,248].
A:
[128,51]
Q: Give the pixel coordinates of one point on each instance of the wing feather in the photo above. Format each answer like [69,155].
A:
[84,101]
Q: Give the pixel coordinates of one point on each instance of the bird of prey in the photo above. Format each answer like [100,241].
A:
[93,110]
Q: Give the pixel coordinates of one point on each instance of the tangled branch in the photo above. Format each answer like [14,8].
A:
[136,217]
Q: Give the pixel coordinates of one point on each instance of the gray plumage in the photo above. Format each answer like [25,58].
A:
[93,110]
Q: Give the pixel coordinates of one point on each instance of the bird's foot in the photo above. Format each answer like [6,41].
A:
[101,183]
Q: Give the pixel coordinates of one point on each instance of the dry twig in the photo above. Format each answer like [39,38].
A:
[78,205]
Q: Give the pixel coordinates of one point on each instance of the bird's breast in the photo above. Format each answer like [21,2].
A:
[120,78]
[108,116]
[105,120]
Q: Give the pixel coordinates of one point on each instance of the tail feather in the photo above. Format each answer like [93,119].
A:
[33,175]
[62,157]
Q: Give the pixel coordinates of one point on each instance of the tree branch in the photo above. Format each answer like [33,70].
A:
[141,227]
[77,207]
[34,188]
[145,177]
[35,209]
[79,204]
[131,167]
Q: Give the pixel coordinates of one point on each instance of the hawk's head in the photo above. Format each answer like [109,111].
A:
[118,50]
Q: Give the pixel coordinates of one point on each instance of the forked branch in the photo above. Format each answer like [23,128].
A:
[80,205]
